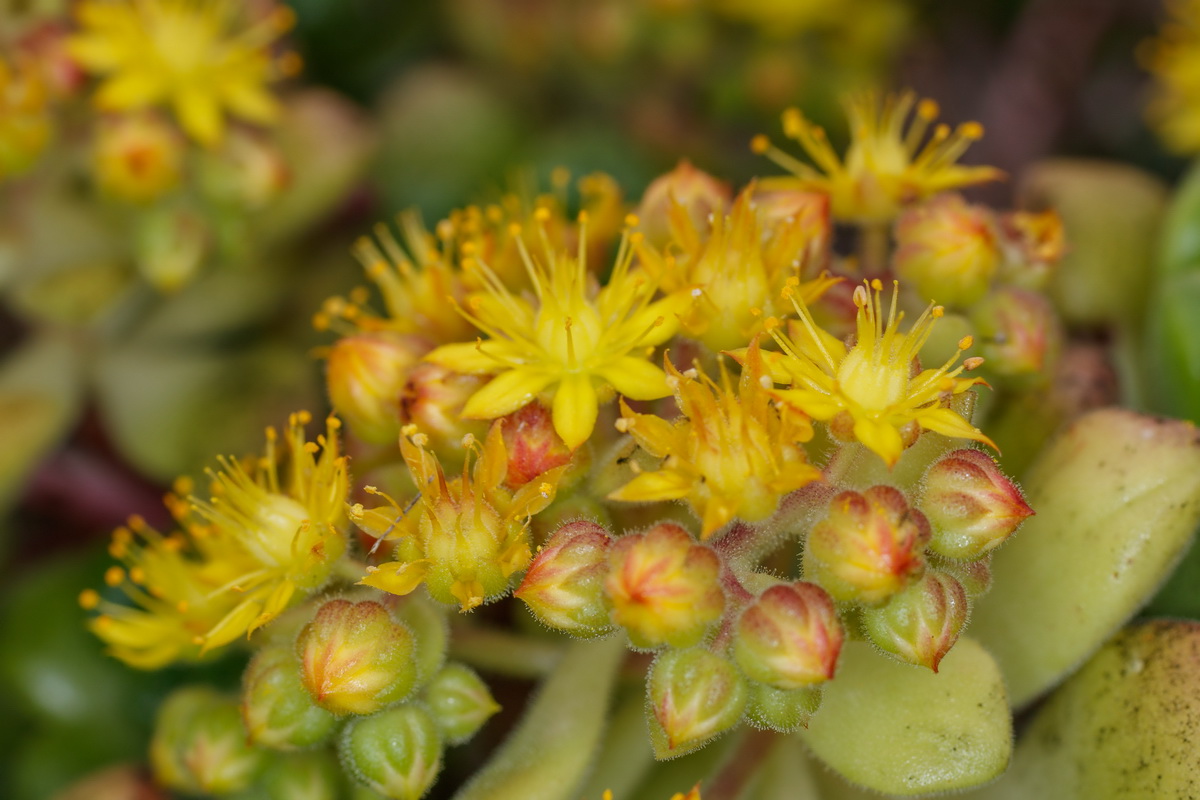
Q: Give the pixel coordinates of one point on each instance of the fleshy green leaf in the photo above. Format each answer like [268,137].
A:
[904,730]
[1117,497]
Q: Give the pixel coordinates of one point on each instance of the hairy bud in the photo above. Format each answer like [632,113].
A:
[277,710]
[396,753]
[923,622]
[971,504]
[789,637]
[459,702]
[366,375]
[694,695]
[199,745]
[564,587]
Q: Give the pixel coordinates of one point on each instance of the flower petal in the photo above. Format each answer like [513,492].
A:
[948,423]
[474,358]
[636,378]
[505,393]
[396,577]
[663,484]
[881,438]
[575,409]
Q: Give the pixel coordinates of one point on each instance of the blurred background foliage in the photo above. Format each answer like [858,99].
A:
[110,387]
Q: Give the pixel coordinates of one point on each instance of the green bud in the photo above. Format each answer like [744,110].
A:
[923,622]
[459,702]
[694,696]
[783,710]
[277,710]
[427,621]
[1019,334]
[355,659]
[199,745]
[303,776]
[397,753]
[947,249]
[789,637]
[564,587]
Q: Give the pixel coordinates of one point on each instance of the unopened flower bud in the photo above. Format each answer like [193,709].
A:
[170,247]
[199,745]
[971,504]
[1033,243]
[783,710]
[533,445]
[396,753]
[686,191]
[975,576]
[277,710]
[356,659]
[1019,333]
[922,623]
[789,637]
[459,702]
[137,157]
[433,400]
[366,375]
[694,695]
[870,546]
[947,249]
[313,775]
[564,587]
[248,170]
[664,587]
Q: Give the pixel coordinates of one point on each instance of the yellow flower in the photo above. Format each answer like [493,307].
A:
[203,58]
[466,538]
[24,116]
[575,344]
[890,162]
[869,392]
[263,536]
[738,269]
[731,454]
[137,157]
[1174,58]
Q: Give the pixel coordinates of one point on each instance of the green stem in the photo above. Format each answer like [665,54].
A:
[504,653]
[873,241]
[549,753]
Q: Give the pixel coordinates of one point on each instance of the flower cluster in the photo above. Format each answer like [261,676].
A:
[789,475]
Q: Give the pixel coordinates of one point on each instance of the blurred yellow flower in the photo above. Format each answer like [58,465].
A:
[243,554]
[870,392]
[24,116]
[1174,58]
[894,158]
[137,158]
[576,343]
[203,58]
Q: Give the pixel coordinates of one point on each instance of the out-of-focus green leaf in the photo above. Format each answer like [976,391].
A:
[173,410]
[1172,344]
[40,394]
[1112,214]
[1126,725]
[1117,498]
[548,755]
[905,730]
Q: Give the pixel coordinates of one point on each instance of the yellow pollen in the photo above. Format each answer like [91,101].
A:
[971,130]
[937,312]
[965,343]
[113,576]
[89,599]
[137,575]
[928,109]
[631,220]
[760,144]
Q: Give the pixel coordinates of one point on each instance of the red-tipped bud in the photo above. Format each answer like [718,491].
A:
[355,659]
[366,375]
[276,709]
[397,753]
[664,587]
[922,623]
[972,505]
[533,445]
[869,547]
[1019,333]
[199,745]
[948,250]
[790,637]
[783,710]
[433,400]
[1034,243]
[695,695]
[459,702]
[564,587]
[685,191]
[137,157]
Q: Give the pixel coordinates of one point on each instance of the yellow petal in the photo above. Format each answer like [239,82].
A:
[817,405]
[200,115]
[396,577]
[664,484]
[128,90]
[575,409]
[505,393]
[232,625]
[655,435]
[948,423]
[249,100]
[881,438]
[636,378]
[473,358]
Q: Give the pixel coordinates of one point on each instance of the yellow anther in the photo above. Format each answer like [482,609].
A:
[632,221]
[971,130]
[542,214]
[89,599]
[928,109]
[114,576]
[938,312]
[760,144]
[965,343]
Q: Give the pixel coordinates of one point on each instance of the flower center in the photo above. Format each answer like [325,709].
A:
[871,383]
